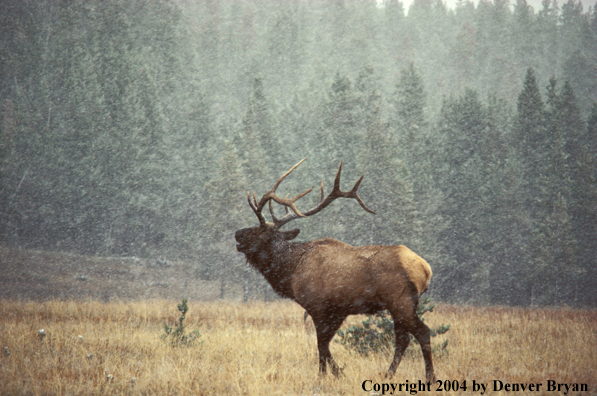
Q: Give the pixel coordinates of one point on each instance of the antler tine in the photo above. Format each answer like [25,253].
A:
[353,194]
[337,180]
[322,193]
[286,207]
[249,199]
[360,201]
[271,210]
[286,174]
[357,184]
[258,213]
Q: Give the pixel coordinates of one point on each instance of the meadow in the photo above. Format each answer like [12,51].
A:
[265,348]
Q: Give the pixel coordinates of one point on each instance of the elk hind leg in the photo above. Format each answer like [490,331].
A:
[402,341]
[423,335]
[405,318]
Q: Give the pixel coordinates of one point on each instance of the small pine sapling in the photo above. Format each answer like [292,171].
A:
[423,307]
[176,335]
[376,334]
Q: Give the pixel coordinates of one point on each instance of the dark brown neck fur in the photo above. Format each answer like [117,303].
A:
[277,263]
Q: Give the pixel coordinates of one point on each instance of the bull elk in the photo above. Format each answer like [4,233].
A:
[331,279]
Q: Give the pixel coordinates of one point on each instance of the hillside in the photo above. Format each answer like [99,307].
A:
[38,275]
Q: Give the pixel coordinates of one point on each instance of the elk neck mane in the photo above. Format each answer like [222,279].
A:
[277,263]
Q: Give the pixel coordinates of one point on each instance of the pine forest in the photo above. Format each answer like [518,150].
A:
[136,128]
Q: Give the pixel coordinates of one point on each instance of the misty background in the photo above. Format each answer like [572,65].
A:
[136,128]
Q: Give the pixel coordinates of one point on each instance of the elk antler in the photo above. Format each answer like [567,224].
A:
[324,202]
[289,203]
[270,195]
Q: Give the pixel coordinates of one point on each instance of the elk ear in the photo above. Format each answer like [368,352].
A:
[288,235]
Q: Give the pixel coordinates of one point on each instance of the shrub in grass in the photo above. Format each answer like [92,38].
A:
[376,333]
[176,335]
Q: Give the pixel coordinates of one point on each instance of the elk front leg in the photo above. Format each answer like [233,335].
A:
[326,330]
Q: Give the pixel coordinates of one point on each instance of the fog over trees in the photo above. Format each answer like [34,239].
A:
[136,128]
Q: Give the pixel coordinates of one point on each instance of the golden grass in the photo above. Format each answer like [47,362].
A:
[265,349]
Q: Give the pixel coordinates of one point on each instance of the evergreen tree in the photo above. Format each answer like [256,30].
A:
[341,138]
[228,211]
[586,216]
[579,37]
[571,21]
[283,46]
[523,30]
[257,143]
[462,125]
[339,116]
[410,103]
[569,168]
[570,123]
[530,117]
[530,137]
[394,36]
[532,145]
[464,54]
[341,121]
[408,123]
[494,46]
[547,37]
[390,189]
[551,244]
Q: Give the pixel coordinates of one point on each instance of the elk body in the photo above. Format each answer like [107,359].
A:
[331,279]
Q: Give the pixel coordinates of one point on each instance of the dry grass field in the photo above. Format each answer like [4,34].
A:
[97,348]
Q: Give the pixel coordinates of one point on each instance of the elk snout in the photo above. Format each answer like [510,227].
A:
[242,237]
